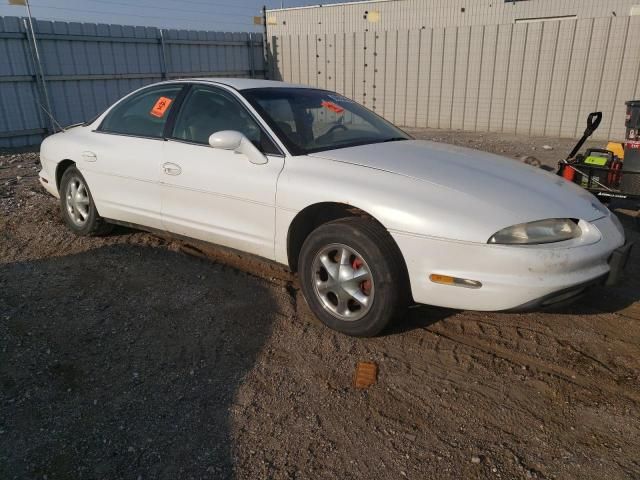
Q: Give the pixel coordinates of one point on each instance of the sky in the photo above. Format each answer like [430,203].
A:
[218,15]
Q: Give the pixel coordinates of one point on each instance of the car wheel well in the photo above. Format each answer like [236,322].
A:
[313,216]
[310,218]
[60,169]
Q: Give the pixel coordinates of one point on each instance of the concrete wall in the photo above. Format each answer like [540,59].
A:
[88,66]
[538,78]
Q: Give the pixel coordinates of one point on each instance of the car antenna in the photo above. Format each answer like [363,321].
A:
[52,117]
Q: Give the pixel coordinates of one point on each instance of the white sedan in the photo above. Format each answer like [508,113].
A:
[369,218]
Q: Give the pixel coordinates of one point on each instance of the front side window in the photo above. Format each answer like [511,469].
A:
[309,120]
[144,114]
[208,110]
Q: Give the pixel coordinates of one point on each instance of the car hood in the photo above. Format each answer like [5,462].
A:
[496,182]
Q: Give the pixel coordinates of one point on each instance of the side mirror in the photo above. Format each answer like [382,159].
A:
[226,139]
[236,141]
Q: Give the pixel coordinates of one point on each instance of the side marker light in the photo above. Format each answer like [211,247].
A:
[454,281]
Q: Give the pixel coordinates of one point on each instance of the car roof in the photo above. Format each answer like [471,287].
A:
[245,83]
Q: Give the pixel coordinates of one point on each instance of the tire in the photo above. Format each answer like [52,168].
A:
[78,210]
[353,276]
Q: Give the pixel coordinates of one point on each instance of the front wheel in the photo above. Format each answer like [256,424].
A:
[352,276]
[77,206]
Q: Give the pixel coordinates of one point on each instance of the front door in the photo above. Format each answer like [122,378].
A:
[217,195]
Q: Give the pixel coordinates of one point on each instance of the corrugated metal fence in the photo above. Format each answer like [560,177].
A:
[526,78]
[88,66]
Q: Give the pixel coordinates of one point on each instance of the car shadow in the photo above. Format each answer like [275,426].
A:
[124,362]
[419,317]
[599,299]
[121,230]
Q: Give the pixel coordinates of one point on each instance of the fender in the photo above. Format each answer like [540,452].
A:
[399,203]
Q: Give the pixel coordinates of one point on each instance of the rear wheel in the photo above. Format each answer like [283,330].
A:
[77,206]
[352,276]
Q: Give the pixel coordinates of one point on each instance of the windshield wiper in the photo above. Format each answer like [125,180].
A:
[394,139]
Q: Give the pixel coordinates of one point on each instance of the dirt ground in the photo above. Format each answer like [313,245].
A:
[139,357]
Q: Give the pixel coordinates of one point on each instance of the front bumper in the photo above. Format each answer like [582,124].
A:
[617,263]
[48,183]
[512,276]
[562,297]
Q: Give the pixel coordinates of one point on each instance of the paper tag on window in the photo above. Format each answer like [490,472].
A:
[160,107]
[332,106]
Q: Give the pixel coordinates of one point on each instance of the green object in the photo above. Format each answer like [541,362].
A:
[594,160]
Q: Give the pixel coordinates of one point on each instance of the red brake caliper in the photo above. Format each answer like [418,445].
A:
[365,286]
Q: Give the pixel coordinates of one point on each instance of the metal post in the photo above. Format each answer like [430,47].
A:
[251,69]
[265,48]
[163,57]
[39,74]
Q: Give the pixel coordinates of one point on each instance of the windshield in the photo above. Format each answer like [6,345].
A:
[309,120]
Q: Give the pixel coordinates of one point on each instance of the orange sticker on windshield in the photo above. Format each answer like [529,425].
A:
[160,107]
[332,106]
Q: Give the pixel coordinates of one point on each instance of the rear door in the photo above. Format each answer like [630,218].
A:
[218,195]
[122,160]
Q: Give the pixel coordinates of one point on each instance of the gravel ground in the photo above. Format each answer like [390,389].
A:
[134,356]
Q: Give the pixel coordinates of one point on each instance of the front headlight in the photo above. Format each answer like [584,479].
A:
[542,231]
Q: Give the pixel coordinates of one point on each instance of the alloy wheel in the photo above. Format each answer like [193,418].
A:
[77,201]
[343,282]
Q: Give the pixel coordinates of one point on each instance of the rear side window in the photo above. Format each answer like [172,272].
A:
[143,114]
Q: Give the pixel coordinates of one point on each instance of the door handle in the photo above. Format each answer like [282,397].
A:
[88,156]
[172,169]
